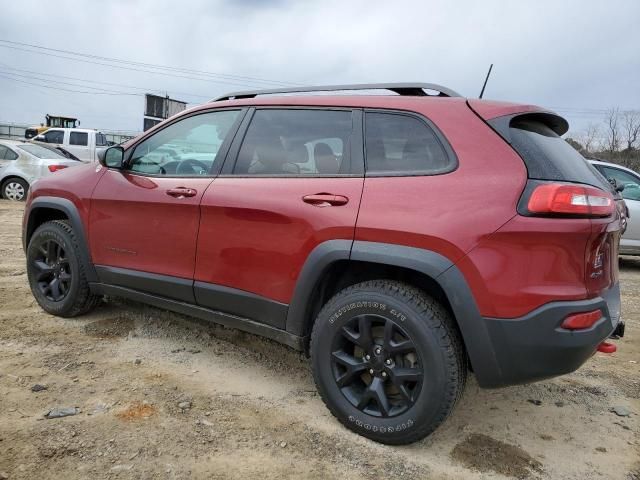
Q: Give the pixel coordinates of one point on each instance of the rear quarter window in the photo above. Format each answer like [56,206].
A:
[400,144]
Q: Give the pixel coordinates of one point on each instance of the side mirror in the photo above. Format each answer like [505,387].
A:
[112,157]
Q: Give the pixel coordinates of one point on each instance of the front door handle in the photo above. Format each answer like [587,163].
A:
[325,200]
[181,192]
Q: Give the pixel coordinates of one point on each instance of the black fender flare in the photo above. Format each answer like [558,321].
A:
[472,325]
[71,212]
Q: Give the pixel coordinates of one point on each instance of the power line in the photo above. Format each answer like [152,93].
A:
[66,89]
[149,65]
[97,89]
[146,89]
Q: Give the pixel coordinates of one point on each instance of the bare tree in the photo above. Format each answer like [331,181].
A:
[612,130]
[630,120]
[589,137]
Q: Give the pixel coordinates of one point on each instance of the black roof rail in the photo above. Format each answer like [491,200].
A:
[407,89]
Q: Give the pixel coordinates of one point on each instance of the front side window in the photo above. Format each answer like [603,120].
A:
[296,142]
[402,144]
[101,140]
[54,136]
[631,183]
[186,148]
[79,138]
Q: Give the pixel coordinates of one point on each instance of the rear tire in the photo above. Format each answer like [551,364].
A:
[388,361]
[15,189]
[56,274]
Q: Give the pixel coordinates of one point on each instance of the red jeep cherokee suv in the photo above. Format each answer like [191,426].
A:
[401,239]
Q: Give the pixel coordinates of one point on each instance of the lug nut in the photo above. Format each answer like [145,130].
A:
[371,371]
[367,357]
[384,374]
[388,361]
[378,351]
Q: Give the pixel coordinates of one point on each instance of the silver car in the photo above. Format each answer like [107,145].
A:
[22,163]
[630,241]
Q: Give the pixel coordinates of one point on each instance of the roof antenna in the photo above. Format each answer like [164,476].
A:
[485,81]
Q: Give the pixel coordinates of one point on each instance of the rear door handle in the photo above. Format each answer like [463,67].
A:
[181,192]
[325,200]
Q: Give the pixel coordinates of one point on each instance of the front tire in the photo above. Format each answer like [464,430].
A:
[388,361]
[56,274]
[15,189]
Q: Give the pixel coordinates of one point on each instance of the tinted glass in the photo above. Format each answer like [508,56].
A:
[40,151]
[187,148]
[631,182]
[7,154]
[549,157]
[54,136]
[79,138]
[101,140]
[296,142]
[402,144]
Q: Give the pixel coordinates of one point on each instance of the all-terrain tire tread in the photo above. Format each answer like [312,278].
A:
[440,323]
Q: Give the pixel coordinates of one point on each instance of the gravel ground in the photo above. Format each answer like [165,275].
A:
[159,395]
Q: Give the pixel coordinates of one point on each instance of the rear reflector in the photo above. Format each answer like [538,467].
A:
[566,199]
[55,168]
[581,320]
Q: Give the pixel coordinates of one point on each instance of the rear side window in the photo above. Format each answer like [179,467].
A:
[399,144]
[296,142]
[79,138]
[7,153]
[54,136]
[549,157]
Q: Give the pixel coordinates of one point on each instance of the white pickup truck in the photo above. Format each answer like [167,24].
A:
[81,142]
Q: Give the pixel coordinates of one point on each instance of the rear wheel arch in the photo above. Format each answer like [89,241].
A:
[427,270]
[44,209]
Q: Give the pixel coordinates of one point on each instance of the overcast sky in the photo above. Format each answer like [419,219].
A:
[577,57]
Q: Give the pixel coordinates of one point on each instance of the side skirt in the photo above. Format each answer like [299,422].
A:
[202,313]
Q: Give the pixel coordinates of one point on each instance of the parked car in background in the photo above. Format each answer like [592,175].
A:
[630,241]
[22,163]
[84,143]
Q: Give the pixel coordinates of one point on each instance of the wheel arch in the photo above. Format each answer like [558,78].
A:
[45,209]
[330,267]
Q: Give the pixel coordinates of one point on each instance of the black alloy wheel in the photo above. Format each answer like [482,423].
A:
[53,273]
[376,366]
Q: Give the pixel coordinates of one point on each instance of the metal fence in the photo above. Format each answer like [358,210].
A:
[16,131]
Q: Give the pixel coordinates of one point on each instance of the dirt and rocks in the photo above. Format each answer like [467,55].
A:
[151,394]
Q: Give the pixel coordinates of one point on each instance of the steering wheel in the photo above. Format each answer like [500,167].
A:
[191,166]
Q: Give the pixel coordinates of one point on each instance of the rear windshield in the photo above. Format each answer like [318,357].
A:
[549,157]
[40,152]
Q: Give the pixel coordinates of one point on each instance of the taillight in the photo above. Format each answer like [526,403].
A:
[568,200]
[55,168]
[581,321]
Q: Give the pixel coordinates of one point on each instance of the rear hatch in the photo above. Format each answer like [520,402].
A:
[562,184]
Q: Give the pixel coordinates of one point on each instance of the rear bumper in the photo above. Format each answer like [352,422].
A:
[535,347]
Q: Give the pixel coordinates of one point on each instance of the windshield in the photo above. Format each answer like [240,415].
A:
[40,152]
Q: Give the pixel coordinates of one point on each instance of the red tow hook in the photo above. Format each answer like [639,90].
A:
[606,347]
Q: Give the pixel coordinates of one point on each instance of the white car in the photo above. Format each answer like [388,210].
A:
[630,241]
[83,143]
[22,163]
